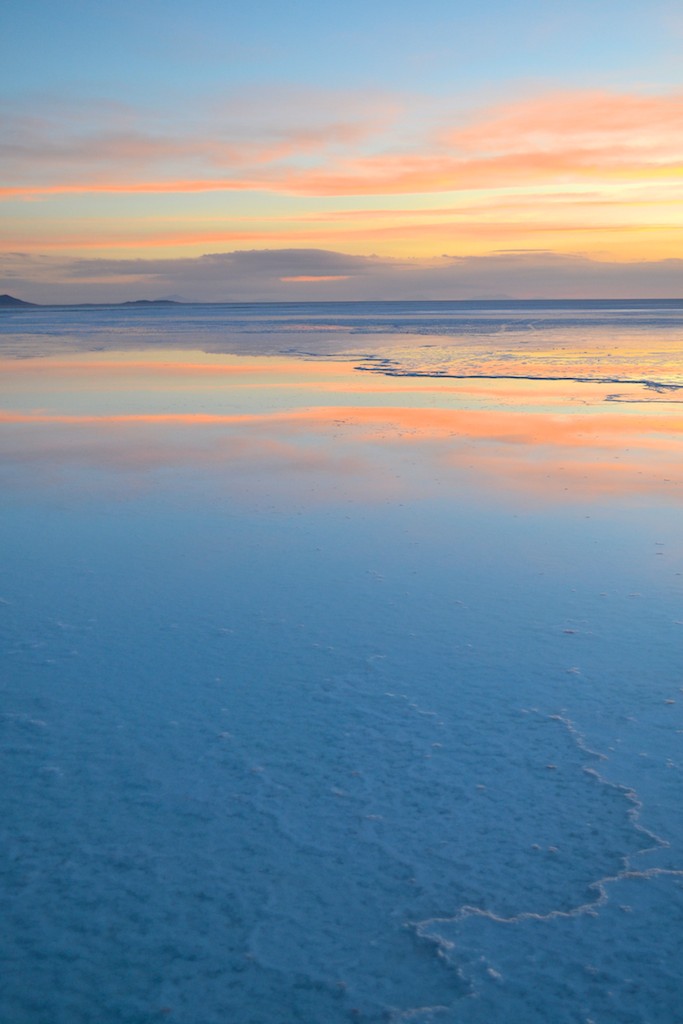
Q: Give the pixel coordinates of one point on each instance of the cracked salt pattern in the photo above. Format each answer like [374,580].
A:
[378,756]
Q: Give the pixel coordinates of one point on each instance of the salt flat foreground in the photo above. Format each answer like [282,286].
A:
[341,664]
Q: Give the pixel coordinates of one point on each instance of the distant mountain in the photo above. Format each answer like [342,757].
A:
[9,300]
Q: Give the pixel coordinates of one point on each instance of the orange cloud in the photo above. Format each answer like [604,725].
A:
[587,170]
[391,175]
[128,187]
[396,175]
[312,279]
[561,137]
[590,120]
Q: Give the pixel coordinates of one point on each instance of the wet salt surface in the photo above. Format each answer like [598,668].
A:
[335,721]
[627,340]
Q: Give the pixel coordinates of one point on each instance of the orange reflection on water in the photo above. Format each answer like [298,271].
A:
[164,366]
[551,456]
[391,422]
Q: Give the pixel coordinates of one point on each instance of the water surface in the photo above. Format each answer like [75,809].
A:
[341,663]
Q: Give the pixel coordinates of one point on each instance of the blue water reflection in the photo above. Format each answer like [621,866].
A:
[333,696]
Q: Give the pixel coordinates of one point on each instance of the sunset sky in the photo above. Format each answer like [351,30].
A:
[365,150]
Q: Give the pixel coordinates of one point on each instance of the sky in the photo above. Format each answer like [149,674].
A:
[365,150]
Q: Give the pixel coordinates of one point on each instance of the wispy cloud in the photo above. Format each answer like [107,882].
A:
[577,170]
[560,137]
[585,120]
[591,170]
[103,147]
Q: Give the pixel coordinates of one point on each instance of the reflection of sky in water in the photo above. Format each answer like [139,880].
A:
[636,340]
[332,695]
[271,415]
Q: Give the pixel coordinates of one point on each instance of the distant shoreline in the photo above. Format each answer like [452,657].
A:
[11,303]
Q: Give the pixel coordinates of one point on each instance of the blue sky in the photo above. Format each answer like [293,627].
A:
[156,49]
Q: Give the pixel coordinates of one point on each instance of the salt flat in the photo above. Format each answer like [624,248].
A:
[341,663]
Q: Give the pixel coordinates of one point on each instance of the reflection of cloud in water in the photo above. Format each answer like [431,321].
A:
[371,451]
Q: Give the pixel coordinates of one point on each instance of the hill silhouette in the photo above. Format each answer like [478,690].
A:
[9,300]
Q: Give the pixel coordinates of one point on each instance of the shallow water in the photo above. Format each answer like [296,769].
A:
[337,686]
